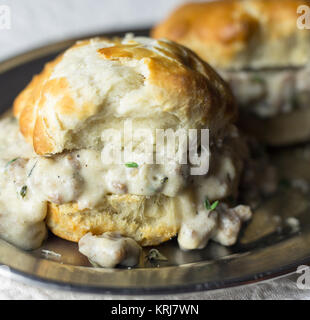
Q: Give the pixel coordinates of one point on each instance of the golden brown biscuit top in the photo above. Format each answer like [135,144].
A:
[240,34]
[99,82]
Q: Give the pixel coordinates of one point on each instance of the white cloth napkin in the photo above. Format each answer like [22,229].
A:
[284,288]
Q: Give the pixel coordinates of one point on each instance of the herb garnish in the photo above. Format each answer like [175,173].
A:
[131,165]
[210,206]
[257,79]
[23,191]
[164,180]
[155,255]
[10,162]
[30,172]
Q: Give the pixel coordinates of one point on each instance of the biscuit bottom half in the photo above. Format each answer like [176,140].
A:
[148,220]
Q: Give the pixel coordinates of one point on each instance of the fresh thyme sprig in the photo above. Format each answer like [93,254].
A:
[210,206]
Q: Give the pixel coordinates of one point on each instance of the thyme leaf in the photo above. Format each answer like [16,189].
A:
[10,162]
[210,206]
[131,165]
[23,191]
[164,180]
[30,172]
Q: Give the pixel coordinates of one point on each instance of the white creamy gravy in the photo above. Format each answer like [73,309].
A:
[28,182]
[21,220]
[267,93]
[110,249]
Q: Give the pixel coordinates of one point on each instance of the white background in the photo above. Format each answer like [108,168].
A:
[38,22]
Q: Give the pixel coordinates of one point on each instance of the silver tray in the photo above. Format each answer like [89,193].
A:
[266,248]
